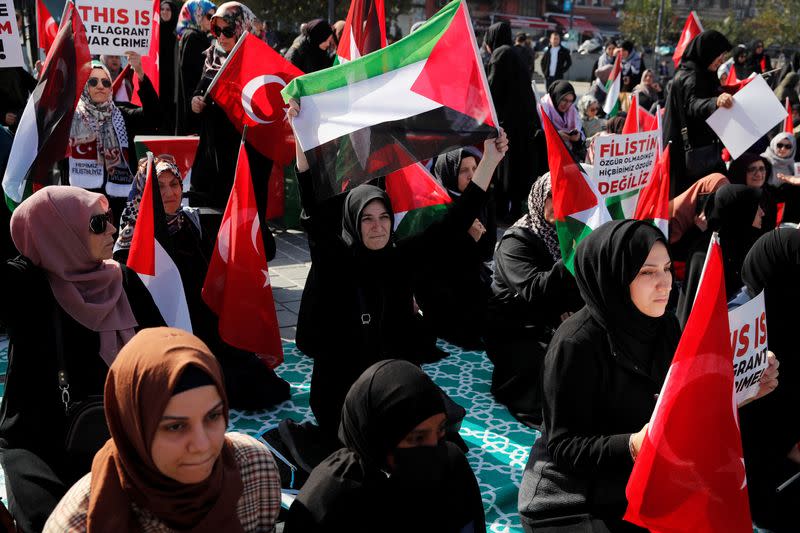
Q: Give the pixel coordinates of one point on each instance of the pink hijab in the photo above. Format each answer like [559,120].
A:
[51,228]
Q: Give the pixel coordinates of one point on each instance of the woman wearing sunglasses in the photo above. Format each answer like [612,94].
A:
[102,133]
[63,299]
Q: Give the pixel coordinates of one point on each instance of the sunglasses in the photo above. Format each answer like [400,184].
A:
[784,146]
[93,82]
[99,223]
[228,31]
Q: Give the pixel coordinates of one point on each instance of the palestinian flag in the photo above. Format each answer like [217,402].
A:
[364,30]
[42,137]
[417,199]
[424,95]
[148,256]
[653,204]
[577,204]
[613,88]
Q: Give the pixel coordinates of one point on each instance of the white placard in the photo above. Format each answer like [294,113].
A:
[10,44]
[755,111]
[114,27]
[748,325]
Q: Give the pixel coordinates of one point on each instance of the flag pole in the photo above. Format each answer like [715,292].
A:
[225,63]
[788,482]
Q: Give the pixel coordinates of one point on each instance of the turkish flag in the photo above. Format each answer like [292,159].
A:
[150,61]
[46,27]
[248,87]
[691,29]
[237,286]
[689,475]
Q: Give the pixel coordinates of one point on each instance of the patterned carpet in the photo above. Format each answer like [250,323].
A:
[499,445]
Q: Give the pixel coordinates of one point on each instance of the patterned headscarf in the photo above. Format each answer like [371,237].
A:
[535,220]
[131,211]
[192,14]
[237,16]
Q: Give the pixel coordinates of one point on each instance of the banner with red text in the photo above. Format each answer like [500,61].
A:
[114,27]
[748,324]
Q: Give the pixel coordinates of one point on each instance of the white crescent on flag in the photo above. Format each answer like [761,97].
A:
[250,89]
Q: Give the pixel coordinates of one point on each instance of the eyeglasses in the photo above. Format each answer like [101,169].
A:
[784,146]
[93,82]
[99,223]
[754,170]
[227,31]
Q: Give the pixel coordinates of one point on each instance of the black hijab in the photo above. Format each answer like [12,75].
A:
[386,402]
[558,90]
[754,59]
[606,262]
[737,172]
[357,199]
[740,66]
[705,48]
[447,168]
[318,31]
[498,34]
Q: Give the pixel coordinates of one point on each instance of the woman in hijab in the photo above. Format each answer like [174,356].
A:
[512,93]
[735,212]
[167,51]
[648,92]
[250,384]
[770,428]
[754,171]
[452,289]
[169,465]
[739,55]
[395,473]
[602,373]
[694,96]
[559,104]
[780,154]
[532,293]
[357,306]
[193,28]
[64,290]
[757,61]
[101,135]
[312,51]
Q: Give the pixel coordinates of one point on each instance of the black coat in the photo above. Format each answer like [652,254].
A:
[167,54]
[595,397]
[32,413]
[564,62]
[530,292]
[691,100]
[308,57]
[341,288]
[15,87]
[191,57]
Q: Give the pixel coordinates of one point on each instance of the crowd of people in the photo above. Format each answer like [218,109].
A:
[111,421]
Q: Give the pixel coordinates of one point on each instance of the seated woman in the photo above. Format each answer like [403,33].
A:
[754,171]
[649,92]
[532,293]
[559,105]
[102,157]
[63,299]
[169,465]
[357,306]
[395,473]
[770,427]
[603,371]
[250,384]
[782,179]
[452,287]
[735,212]
[592,124]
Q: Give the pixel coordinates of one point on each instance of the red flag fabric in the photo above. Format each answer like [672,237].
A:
[788,125]
[364,30]
[46,27]
[682,481]
[735,87]
[653,203]
[731,79]
[119,88]
[691,29]
[142,254]
[237,287]
[150,61]
[631,120]
[248,88]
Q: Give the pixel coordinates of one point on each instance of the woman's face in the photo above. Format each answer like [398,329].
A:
[376,225]
[650,288]
[592,110]
[465,172]
[647,79]
[741,58]
[783,148]
[427,433]
[610,49]
[99,93]
[565,102]
[190,435]
[171,190]
[205,22]
[225,42]
[166,12]
[756,174]
[624,53]
[720,59]
[549,213]
[101,245]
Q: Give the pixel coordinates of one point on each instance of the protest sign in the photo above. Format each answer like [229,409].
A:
[113,27]
[623,165]
[755,111]
[10,44]
[748,327]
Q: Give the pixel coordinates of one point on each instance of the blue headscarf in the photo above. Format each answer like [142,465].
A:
[192,14]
